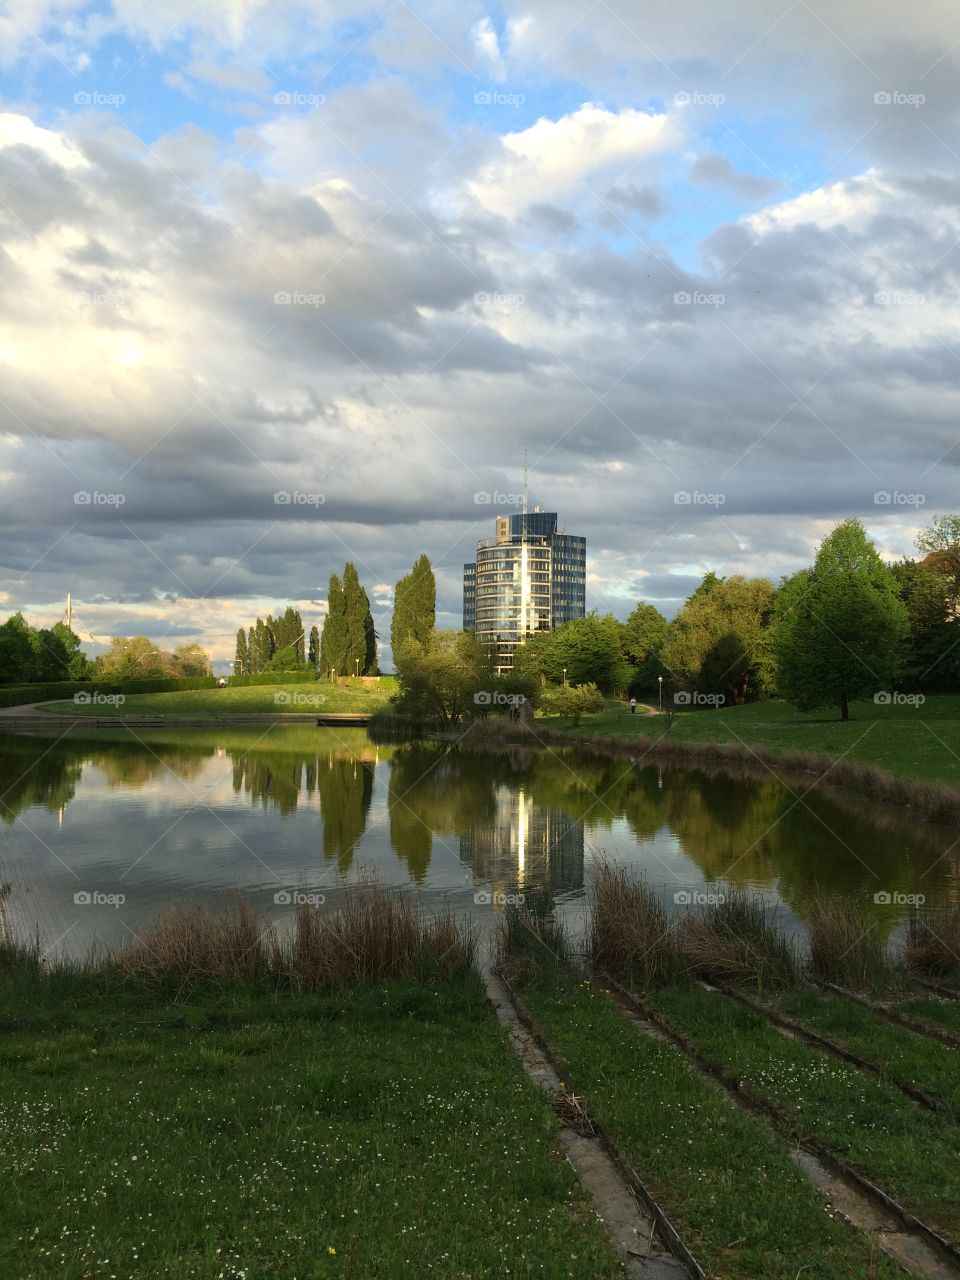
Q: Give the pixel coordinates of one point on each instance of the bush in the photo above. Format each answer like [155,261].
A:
[573,700]
[14,695]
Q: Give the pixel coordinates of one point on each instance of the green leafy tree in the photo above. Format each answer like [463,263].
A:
[645,633]
[447,679]
[313,653]
[286,659]
[840,625]
[18,656]
[573,700]
[941,542]
[930,654]
[590,650]
[414,605]
[719,643]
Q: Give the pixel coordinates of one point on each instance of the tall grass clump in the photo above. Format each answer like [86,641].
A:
[192,944]
[532,942]
[373,935]
[370,936]
[933,944]
[732,941]
[631,935]
[847,946]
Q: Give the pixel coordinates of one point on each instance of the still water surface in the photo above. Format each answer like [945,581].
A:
[89,819]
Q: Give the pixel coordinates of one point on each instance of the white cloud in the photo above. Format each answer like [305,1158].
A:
[551,158]
[20,131]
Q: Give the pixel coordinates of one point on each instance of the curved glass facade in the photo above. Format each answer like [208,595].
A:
[529,578]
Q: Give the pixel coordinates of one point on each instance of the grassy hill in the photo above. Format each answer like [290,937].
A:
[312,697]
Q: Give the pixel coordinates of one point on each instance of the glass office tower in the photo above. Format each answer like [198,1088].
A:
[530,577]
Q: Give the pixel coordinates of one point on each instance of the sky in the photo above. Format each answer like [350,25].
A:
[286,284]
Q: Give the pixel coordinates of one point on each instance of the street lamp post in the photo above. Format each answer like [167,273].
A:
[564,675]
[358,668]
[660,690]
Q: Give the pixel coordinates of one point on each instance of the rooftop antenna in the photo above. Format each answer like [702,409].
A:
[524,482]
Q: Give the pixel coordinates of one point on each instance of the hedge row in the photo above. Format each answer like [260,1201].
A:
[14,694]
[273,677]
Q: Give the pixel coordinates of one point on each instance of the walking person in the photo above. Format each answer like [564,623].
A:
[633,706]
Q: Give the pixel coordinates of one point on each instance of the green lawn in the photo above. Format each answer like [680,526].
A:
[316,697]
[909,1152]
[389,1132]
[918,742]
[739,1202]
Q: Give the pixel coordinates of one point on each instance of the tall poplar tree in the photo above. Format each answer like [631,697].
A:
[313,653]
[414,606]
[241,658]
[333,639]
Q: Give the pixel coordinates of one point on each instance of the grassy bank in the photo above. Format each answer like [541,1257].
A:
[216,1103]
[882,1133]
[913,742]
[737,1199]
[315,697]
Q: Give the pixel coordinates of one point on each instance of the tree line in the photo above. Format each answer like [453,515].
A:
[38,655]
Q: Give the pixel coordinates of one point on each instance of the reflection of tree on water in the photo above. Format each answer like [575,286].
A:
[431,792]
[345,787]
[29,778]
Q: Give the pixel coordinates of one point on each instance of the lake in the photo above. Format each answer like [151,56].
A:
[100,829]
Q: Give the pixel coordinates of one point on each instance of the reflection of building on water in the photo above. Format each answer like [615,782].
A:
[525,846]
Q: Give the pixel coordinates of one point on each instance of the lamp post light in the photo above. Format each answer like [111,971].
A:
[358,668]
[564,675]
[660,690]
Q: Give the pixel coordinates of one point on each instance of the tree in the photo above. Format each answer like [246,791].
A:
[589,649]
[930,656]
[573,700]
[313,653]
[241,659]
[644,636]
[190,660]
[414,605]
[840,625]
[360,638]
[941,542]
[286,659]
[440,679]
[18,657]
[333,638]
[718,642]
